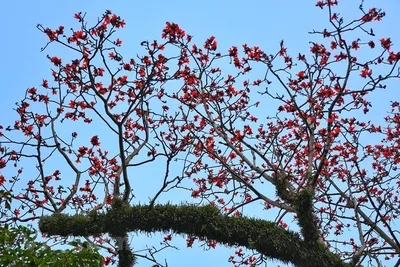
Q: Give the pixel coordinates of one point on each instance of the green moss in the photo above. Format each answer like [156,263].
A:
[206,222]
[117,226]
[282,185]
[305,214]
[125,255]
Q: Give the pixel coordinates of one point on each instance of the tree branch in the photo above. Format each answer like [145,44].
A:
[205,221]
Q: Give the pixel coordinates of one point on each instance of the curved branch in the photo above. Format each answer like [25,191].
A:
[205,221]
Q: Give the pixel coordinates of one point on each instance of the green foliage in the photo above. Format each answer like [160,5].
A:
[205,221]
[19,248]
[6,198]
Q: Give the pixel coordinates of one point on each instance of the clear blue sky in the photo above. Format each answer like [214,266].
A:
[233,22]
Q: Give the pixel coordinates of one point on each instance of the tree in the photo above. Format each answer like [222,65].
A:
[19,248]
[242,127]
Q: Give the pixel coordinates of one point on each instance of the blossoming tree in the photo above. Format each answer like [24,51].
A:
[242,127]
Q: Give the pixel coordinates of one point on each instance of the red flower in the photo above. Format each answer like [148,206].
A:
[117,21]
[29,128]
[366,72]
[301,57]
[320,4]
[17,212]
[212,243]
[385,43]
[283,224]
[371,44]
[95,140]
[211,44]
[393,57]
[168,237]
[173,31]
[106,261]
[45,84]
[355,45]
[301,74]
[333,45]
[32,90]
[56,61]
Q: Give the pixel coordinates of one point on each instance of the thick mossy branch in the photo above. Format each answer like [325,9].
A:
[282,185]
[307,220]
[125,255]
[206,222]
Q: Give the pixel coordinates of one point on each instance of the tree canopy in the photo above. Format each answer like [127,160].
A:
[19,248]
[233,128]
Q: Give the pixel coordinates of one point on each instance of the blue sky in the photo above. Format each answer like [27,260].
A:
[262,23]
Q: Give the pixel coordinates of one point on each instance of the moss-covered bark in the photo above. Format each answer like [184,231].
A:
[307,220]
[206,221]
